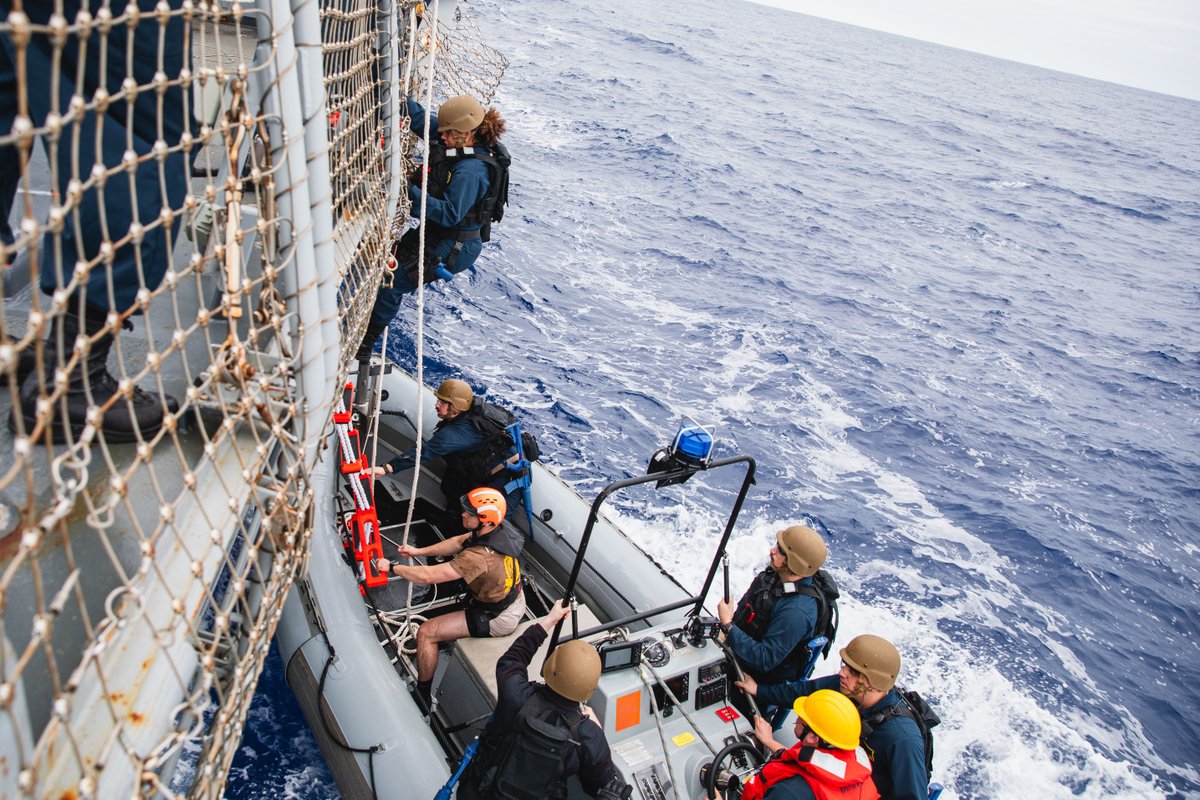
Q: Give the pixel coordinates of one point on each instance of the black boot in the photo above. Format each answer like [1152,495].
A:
[425,696]
[372,335]
[90,385]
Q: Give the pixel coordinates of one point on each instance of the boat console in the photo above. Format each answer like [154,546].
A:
[662,694]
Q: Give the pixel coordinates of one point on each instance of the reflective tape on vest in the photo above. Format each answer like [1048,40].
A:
[828,762]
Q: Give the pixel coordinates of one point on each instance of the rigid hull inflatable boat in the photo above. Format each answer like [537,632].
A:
[663,697]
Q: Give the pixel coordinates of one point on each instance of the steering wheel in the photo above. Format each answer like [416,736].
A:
[711,774]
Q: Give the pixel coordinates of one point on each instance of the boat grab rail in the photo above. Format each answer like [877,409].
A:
[623,621]
[678,473]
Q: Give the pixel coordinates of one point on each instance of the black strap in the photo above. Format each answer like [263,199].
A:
[459,241]
[501,604]
[901,709]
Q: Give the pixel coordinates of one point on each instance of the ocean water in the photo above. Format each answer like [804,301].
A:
[951,305]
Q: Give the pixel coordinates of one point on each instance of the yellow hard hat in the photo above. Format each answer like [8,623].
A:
[831,716]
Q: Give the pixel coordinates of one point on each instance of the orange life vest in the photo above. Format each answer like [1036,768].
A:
[831,774]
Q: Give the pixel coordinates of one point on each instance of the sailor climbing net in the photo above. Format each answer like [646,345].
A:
[226,196]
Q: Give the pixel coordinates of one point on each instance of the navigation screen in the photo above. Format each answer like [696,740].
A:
[620,656]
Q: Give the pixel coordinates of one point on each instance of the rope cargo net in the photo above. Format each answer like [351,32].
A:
[201,206]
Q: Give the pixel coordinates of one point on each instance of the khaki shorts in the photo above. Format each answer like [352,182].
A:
[481,625]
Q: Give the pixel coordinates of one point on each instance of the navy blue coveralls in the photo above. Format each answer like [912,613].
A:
[468,184]
[446,439]
[452,438]
[112,208]
[793,618]
[591,759]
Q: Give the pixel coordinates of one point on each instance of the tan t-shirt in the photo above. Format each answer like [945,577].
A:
[489,575]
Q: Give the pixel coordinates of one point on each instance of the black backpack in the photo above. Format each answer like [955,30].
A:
[493,421]
[913,706]
[500,195]
[825,591]
[527,762]
[491,207]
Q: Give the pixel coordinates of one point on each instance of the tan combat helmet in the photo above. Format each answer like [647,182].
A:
[875,657]
[573,670]
[462,113]
[803,548]
[455,392]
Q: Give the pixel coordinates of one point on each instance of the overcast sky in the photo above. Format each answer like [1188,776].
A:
[1151,44]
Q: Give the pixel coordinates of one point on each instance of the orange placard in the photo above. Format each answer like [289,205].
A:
[629,710]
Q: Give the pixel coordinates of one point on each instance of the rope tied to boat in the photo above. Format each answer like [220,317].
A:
[662,736]
[420,332]
[681,706]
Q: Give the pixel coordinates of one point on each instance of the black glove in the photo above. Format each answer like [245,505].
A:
[615,789]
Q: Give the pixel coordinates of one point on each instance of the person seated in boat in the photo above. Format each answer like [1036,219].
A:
[771,626]
[571,673]
[468,187]
[826,761]
[892,738]
[461,441]
[486,558]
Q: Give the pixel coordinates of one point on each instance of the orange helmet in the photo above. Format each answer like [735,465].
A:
[486,503]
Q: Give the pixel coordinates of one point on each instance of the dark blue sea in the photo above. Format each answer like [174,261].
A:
[951,304]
